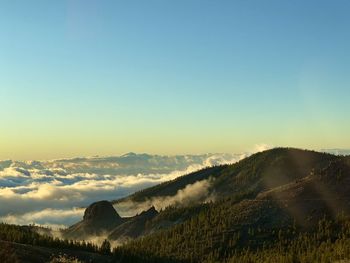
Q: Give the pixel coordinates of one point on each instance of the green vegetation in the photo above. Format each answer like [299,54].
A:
[329,242]
[7,254]
[28,235]
[105,247]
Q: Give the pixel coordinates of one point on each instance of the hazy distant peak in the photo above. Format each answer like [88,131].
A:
[337,151]
[129,154]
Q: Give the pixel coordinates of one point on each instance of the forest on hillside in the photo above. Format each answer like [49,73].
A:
[328,242]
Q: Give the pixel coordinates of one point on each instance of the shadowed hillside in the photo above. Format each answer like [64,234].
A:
[294,191]
[261,171]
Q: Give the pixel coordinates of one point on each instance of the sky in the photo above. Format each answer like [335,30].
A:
[82,78]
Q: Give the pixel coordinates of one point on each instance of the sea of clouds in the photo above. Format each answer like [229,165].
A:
[55,192]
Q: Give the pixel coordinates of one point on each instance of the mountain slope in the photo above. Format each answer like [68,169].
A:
[11,252]
[296,207]
[172,187]
[134,227]
[248,177]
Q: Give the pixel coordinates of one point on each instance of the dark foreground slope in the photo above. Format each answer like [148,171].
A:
[24,244]
[11,252]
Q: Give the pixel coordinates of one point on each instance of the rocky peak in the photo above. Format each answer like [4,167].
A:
[101,210]
[150,212]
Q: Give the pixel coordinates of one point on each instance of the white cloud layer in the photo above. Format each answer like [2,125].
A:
[51,192]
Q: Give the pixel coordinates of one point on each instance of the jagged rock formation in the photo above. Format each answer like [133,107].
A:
[100,211]
[135,226]
[99,217]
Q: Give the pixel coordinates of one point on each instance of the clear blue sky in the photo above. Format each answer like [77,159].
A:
[181,76]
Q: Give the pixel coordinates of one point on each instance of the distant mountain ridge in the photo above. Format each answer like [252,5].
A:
[336,151]
[129,163]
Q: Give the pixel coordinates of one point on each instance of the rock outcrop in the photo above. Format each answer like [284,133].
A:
[99,218]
